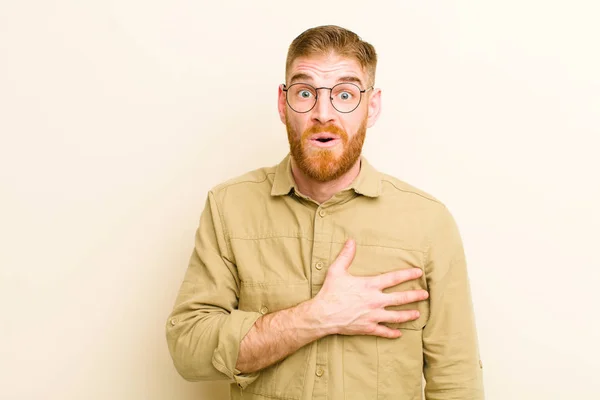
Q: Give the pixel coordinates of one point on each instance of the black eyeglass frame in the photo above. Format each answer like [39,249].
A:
[285,89]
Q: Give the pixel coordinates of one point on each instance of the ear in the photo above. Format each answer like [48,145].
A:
[281,104]
[374,107]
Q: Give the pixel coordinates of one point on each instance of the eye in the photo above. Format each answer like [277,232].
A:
[305,94]
[345,96]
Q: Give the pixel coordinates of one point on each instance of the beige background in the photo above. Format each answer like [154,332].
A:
[116,117]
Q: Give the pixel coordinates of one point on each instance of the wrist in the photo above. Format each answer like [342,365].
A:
[312,317]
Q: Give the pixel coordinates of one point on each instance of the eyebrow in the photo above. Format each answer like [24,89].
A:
[301,76]
[352,79]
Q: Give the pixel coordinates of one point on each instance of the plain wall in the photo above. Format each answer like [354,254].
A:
[117,117]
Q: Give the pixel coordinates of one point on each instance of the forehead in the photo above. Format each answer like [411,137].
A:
[326,69]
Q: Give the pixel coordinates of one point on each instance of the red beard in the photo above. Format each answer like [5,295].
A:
[323,165]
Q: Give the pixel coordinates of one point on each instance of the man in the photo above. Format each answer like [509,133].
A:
[321,278]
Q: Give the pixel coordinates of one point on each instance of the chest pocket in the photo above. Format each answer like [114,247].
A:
[284,379]
[375,260]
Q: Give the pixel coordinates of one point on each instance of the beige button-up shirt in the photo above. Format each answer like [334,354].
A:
[262,246]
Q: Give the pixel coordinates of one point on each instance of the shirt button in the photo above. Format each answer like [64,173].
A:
[173,321]
[264,310]
[322,213]
[320,371]
[319,266]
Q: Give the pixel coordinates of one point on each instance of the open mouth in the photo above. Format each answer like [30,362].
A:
[325,140]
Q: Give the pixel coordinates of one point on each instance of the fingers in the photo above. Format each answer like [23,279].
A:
[397,317]
[395,277]
[400,298]
[345,258]
[384,331]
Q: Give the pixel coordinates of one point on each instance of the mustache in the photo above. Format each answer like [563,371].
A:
[325,128]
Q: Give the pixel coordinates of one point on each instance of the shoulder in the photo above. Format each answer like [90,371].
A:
[252,183]
[434,218]
[392,186]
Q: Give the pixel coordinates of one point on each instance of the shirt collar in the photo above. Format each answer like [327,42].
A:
[367,183]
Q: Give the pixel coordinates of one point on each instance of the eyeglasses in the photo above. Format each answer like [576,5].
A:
[302,97]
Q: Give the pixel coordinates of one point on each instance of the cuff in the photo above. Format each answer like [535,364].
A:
[226,354]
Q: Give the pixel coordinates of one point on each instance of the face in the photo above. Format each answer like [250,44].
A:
[325,143]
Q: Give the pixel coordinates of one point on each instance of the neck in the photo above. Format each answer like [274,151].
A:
[323,191]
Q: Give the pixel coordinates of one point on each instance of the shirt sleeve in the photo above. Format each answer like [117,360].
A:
[205,328]
[452,366]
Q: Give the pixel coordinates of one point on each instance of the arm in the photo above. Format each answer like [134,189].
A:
[205,328]
[209,338]
[277,335]
[346,305]
[451,355]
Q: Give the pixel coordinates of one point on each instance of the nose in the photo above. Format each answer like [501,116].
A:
[323,111]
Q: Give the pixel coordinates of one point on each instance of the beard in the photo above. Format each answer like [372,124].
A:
[324,165]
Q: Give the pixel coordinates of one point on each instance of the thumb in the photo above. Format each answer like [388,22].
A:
[345,258]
